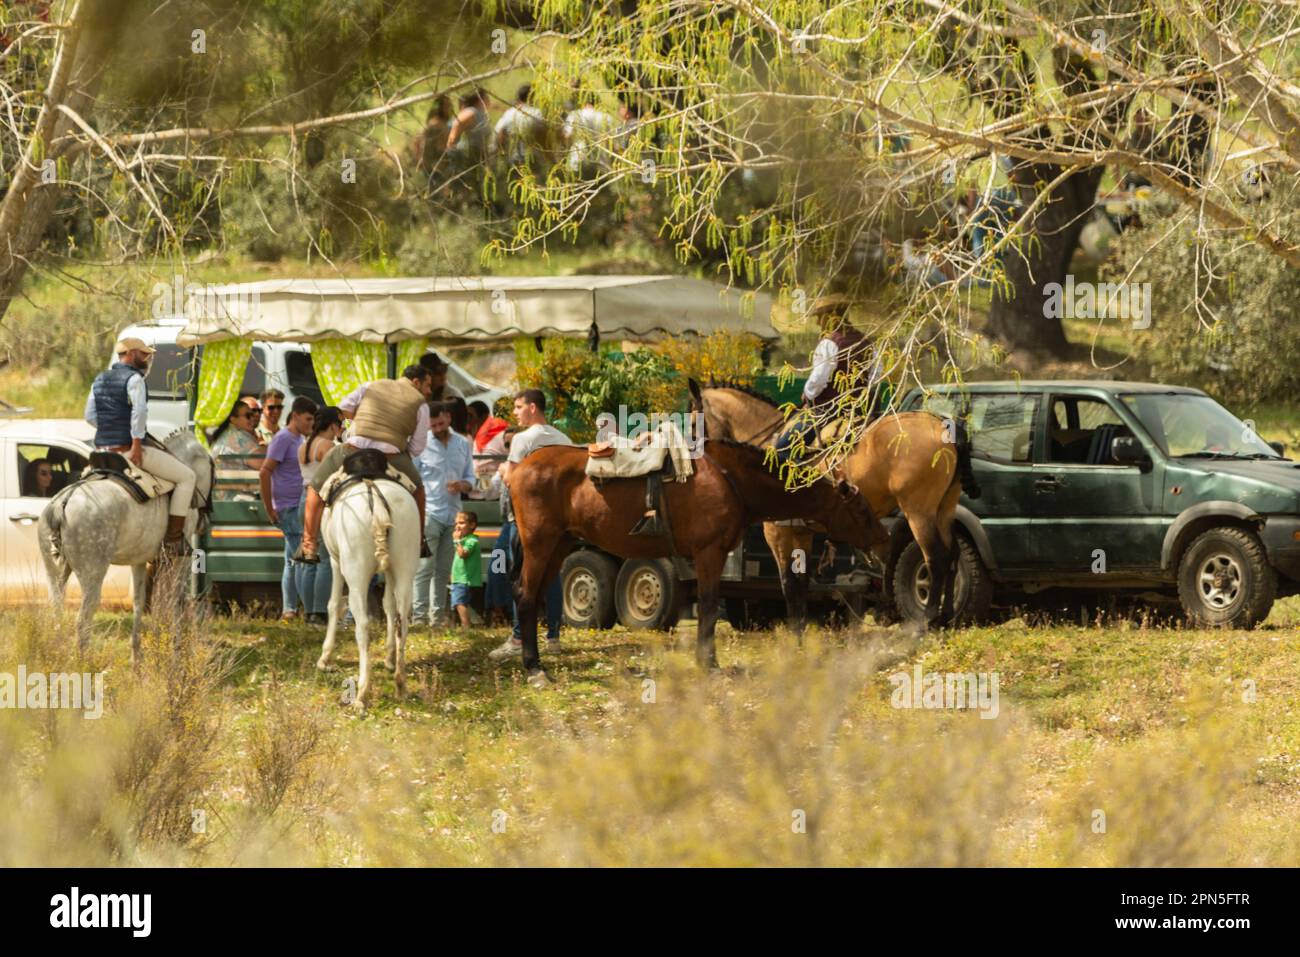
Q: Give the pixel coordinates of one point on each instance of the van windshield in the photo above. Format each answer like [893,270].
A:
[170,373]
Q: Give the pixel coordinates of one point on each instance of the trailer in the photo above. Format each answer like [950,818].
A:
[388,322]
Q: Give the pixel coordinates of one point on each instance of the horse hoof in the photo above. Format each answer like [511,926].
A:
[539,679]
[324,665]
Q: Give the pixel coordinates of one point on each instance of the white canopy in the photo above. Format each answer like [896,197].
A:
[474,309]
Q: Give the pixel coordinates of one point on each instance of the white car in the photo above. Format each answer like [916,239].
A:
[64,444]
[285,366]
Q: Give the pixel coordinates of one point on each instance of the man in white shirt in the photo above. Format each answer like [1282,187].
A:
[589,131]
[520,129]
[838,352]
[530,412]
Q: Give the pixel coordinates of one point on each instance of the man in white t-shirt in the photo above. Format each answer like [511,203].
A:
[589,131]
[520,129]
[530,413]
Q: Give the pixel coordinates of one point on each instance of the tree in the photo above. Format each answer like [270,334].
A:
[817,146]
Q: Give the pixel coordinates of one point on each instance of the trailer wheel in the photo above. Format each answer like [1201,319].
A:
[587,580]
[647,594]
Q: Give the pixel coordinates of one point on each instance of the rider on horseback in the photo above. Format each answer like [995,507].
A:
[839,353]
[391,415]
[117,408]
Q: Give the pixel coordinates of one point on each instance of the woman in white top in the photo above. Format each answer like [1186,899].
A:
[318,579]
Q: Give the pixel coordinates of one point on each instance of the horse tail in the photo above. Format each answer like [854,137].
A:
[965,474]
[381,520]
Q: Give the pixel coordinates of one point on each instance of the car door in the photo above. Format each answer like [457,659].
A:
[1003,427]
[1095,517]
[22,570]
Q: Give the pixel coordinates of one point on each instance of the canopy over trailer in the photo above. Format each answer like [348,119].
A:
[474,309]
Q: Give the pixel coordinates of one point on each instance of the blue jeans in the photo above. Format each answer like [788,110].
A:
[291,580]
[554,596]
[433,576]
[314,585]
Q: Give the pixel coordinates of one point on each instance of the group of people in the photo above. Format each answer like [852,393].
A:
[455,140]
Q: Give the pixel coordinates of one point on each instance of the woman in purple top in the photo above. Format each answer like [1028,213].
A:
[281,480]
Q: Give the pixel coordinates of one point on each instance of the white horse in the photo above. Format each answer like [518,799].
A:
[88,527]
[374,526]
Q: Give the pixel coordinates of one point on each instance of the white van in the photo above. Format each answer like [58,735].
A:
[285,366]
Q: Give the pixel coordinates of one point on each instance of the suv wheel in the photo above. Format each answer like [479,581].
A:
[973,591]
[1225,581]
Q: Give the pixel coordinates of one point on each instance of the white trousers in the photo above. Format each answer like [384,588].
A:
[169,467]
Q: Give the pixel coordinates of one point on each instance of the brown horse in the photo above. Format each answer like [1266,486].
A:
[556,504]
[913,461]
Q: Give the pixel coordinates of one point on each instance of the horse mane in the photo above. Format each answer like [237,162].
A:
[748,390]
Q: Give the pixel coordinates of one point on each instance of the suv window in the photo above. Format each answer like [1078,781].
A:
[1002,426]
[50,465]
[1081,430]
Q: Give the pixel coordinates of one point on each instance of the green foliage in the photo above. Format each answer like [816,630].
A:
[1224,314]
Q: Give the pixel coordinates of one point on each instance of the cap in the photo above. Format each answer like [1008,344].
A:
[131,343]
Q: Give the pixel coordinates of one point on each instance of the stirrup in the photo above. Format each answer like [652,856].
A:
[648,525]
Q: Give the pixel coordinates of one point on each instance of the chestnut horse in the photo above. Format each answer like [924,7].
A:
[556,504]
[912,461]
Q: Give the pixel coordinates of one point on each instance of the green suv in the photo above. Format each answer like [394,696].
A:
[1115,488]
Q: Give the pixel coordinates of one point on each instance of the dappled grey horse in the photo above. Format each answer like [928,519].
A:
[89,526]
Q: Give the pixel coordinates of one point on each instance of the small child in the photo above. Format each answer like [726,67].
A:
[466,567]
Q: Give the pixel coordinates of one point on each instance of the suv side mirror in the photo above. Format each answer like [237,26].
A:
[1277,447]
[1127,450]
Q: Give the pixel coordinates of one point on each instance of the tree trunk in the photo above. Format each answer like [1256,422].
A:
[1016,318]
[84,47]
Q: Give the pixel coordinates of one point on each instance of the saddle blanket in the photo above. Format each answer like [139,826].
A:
[336,483]
[644,455]
[150,486]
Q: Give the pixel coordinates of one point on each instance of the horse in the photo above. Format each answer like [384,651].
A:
[372,527]
[556,503]
[91,525]
[912,461]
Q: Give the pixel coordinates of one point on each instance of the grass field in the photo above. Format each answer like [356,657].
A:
[1122,745]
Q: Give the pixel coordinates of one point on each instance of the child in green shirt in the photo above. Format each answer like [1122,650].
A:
[466,567]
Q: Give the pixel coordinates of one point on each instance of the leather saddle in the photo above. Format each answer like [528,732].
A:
[116,467]
[361,466]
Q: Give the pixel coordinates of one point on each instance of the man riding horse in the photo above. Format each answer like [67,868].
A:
[838,358]
[118,409]
[391,415]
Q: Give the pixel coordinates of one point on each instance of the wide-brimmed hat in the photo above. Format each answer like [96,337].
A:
[132,344]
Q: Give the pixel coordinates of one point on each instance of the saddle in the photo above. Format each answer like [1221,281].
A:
[362,466]
[655,456]
[114,466]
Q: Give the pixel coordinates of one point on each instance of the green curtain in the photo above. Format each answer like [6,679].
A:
[409,352]
[221,373]
[342,365]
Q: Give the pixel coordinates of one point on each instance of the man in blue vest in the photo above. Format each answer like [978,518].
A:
[117,408]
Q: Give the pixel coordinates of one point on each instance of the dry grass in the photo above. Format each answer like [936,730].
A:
[230,749]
